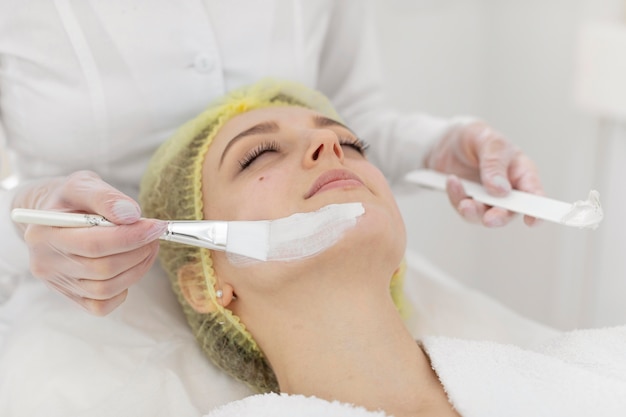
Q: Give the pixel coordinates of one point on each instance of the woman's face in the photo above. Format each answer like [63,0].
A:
[273,162]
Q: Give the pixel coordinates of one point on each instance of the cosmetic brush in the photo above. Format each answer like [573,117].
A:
[582,214]
[290,238]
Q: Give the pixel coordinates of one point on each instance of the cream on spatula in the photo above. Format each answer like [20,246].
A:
[582,214]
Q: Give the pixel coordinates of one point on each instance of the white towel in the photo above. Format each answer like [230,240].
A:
[283,405]
[579,373]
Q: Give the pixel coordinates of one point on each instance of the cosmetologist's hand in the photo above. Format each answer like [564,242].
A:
[93,266]
[477,152]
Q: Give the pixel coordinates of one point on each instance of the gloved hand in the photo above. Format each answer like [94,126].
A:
[474,151]
[93,266]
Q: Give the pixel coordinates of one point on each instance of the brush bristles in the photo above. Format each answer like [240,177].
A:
[250,239]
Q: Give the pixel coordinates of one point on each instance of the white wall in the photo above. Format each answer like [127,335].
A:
[513,64]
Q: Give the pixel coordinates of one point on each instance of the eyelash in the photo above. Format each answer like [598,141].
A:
[273,146]
[254,153]
[360,146]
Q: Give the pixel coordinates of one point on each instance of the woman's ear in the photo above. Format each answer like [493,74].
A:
[193,287]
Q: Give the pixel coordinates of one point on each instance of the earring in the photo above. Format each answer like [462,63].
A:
[219,293]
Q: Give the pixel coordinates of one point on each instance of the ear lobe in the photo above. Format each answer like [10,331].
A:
[193,288]
[228,294]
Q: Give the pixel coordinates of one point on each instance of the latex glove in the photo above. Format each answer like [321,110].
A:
[93,266]
[475,151]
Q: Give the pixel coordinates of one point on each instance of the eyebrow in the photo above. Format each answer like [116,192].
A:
[272,127]
[261,128]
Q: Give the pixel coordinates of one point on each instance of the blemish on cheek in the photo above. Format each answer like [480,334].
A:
[261,178]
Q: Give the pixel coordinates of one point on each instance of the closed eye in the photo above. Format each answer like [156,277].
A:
[354,143]
[250,156]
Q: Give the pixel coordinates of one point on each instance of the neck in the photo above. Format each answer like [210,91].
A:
[350,346]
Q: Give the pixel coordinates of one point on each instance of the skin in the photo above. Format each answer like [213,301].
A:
[327,325]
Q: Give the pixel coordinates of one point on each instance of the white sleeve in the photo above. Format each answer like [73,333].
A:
[13,251]
[351,76]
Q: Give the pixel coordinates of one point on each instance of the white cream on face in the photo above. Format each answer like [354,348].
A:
[303,235]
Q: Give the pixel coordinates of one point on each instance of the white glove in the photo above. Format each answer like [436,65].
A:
[475,151]
[92,266]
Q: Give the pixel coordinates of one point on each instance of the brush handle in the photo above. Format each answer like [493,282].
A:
[57,218]
[205,234]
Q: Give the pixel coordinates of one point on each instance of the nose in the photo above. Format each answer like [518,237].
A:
[324,144]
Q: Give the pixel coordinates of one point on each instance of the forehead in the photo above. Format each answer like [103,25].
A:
[282,115]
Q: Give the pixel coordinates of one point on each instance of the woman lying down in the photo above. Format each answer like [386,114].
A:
[325,329]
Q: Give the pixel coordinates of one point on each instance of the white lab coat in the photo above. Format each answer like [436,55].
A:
[100,84]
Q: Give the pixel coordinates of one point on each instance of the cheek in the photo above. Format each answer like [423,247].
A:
[382,231]
[272,180]
[380,184]
[392,214]
[258,196]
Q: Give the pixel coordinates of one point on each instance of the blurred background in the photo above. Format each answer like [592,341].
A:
[551,76]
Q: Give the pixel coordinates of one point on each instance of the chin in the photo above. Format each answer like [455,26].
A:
[379,232]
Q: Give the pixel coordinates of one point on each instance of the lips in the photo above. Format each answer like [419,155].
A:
[336,178]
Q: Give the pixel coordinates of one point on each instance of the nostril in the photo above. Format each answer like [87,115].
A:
[338,150]
[317,152]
